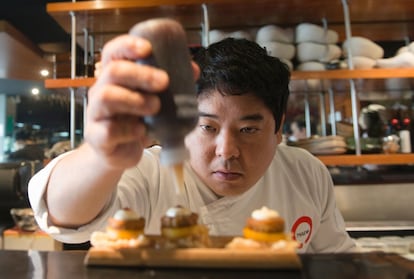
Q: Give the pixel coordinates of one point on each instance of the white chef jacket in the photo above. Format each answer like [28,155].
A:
[296,184]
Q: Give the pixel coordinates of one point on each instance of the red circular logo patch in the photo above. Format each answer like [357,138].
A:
[302,230]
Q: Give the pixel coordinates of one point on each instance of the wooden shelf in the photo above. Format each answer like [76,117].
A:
[392,20]
[68,82]
[284,11]
[354,74]
[375,159]
[296,75]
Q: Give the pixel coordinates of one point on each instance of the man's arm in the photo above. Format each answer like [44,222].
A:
[82,182]
[79,187]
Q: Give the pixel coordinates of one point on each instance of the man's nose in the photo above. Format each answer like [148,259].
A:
[226,145]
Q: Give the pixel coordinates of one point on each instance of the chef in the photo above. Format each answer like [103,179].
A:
[236,164]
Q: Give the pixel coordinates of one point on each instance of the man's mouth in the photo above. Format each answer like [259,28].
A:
[226,175]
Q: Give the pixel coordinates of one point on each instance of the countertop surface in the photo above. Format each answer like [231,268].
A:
[70,264]
[370,174]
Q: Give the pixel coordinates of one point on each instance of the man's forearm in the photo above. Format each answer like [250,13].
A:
[79,187]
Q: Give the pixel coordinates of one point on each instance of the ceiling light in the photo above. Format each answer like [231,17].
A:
[35,91]
[44,73]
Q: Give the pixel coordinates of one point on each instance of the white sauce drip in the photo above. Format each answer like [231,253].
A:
[264,213]
[126,214]
[177,211]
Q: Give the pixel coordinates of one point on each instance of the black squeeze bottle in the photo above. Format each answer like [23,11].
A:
[178,113]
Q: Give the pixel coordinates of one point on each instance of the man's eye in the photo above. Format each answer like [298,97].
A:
[248,130]
[207,128]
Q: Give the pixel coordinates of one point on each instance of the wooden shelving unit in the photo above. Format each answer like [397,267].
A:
[354,74]
[296,75]
[392,20]
[68,82]
[332,160]
[379,24]
[374,159]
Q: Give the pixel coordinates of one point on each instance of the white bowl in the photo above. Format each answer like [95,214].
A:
[309,51]
[280,50]
[308,32]
[311,66]
[402,60]
[362,62]
[361,46]
[275,33]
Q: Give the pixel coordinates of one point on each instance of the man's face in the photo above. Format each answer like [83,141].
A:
[233,143]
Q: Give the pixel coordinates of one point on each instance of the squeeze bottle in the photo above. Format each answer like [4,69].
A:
[178,113]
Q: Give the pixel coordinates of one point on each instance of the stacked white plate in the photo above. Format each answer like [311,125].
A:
[365,52]
[278,42]
[315,46]
[328,145]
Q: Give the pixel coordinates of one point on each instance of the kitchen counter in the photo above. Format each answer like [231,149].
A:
[372,175]
[69,264]
[375,201]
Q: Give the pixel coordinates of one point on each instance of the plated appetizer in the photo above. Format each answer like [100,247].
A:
[265,228]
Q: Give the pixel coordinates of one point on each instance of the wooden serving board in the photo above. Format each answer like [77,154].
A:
[193,258]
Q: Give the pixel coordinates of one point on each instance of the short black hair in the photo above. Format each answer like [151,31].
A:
[239,66]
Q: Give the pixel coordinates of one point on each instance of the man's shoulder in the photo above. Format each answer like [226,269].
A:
[292,158]
[286,152]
